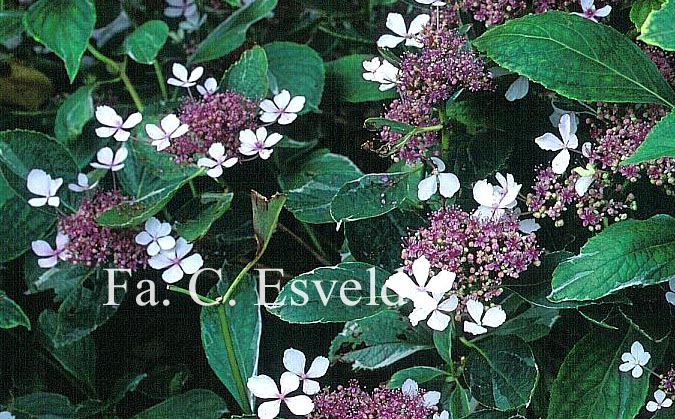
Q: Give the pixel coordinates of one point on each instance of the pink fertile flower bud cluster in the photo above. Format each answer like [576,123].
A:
[482,253]
[383,403]
[667,382]
[494,12]
[443,65]
[92,244]
[215,118]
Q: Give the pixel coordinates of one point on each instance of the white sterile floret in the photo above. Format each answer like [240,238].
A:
[294,361]
[492,317]
[635,359]
[371,67]
[384,73]
[181,78]
[402,285]
[259,143]
[114,125]
[445,183]
[41,184]
[397,25]
[264,387]
[411,389]
[434,307]
[548,141]
[584,182]
[177,261]
[7,415]
[110,161]
[82,184]
[51,256]
[218,160]
[169,128]
[209,88]
[282,108]
[431,2]
[494,200]
[660,400]
[156,236]
[590,12]
[670,295]
[178,8]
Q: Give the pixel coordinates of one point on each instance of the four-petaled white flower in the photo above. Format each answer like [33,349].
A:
[383,72]
[661,401]
[635,360]
[548,141]
[411,389]
[402,285]
[397,25]
[493,317]
[180,76]
[82,184]
[264,387]
[218,160]
[282,108]
[51,256]
[156,236]
[40,183]
[495,200]
[109,161]
[178,8]
[446,183]
[295,361]
[589,11]
[114,125]
[431,2]
[670,295]
[177,261]
[209,88]
[169,128]
[259,143]
[518,89]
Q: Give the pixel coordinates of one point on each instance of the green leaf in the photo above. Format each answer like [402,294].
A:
[344,79]
[265,217]
[78,358]
[83,311]
[248,76]
[11,314]
[459,403]
[10,24]
[348,291]
[377,123]
[377,341]
[589,383]
[63,26]
[123,386]
[443,343]
[74,113]
[378,240]
[419,374]
[372,195]
[298,69]
[20,224]
[194,404]
[231,34]
[600,63]
[502,373]
[62,278]
[153,178]
[241,324]
[534,323]
[209,212]
[144,43]
[641,9]
[658,28]
[641,254]
[660,142]
[311,189]
[42,405]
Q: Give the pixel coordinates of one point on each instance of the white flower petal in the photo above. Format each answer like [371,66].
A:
[561,162]
[282,99]
[310,387]
[389,41]
[494,317]
[431,398]
[300,405]
[603,11]
[143,238]
[396,24]
[108,116]
[475,310]
[448,184]
[582,184]
[269,410]
[637,372]
[474,328]
[420,269]
[263,387]
[549,142]
[294,361]
[427,188]
[401,284]
[173,274]
[483,193]
[410,387]
[319,367]
[296,104]
[133,120]
[518,89]
[438,321]
[179,71]
[192,264]
[289,382]
[286,118]
[417,25]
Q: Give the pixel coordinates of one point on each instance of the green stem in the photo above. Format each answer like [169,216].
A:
[160,79]
[121,70]
[193,189]
[186,292]
[445,136]
[239,277]
[315,240]
[232,358]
